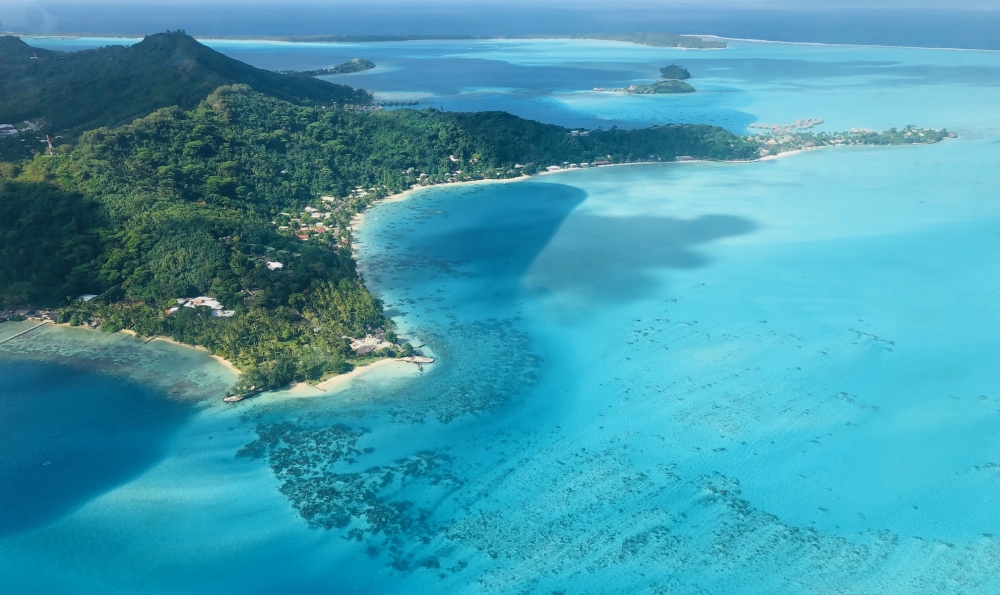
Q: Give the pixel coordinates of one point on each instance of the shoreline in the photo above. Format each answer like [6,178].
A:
[304,390]
[339,379]
[358,220]
[324,385]
[327,384]
[218,358]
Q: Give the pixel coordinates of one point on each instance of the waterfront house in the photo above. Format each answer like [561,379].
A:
[204,301]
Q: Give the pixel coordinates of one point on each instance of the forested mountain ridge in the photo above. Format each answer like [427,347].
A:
[246,198]
[186,203]
[242,151]
[109,86]
[351,66]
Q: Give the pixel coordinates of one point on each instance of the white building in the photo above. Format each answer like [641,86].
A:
[275,266]
[204,301]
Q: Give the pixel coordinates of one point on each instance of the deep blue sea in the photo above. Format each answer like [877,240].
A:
[729,379]
[962,24]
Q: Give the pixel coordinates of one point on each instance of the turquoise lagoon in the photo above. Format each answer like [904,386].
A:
[775,377]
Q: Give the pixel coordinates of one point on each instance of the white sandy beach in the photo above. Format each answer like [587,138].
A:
[385,365]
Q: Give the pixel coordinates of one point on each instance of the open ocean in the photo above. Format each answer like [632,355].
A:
[693,378]
[952,26]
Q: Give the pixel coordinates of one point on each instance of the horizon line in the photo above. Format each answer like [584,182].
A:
[533,37]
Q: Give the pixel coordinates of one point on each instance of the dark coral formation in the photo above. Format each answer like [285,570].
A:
[320,475]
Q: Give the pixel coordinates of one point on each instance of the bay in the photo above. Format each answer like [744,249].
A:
[691,377]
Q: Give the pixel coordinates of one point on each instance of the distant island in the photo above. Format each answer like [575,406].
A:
[660,40]
[668,86]
[665,40]
[668,40]
[675,72]
[671,84]
[353,65]
[222,218]
[777,139]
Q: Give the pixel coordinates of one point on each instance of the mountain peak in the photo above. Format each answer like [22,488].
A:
[117,84]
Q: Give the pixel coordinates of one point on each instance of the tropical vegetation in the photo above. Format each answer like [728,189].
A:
[675,72]
[70,92]
[352,65]
[659,87]
[246,198]
[192,203]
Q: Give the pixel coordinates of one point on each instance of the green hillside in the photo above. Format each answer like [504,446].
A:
[661,86]
[181,204]
[351,66]
[675,72]
[246,195]
[241,158]
[78,91]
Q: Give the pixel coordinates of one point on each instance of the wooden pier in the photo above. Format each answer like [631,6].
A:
[24,332]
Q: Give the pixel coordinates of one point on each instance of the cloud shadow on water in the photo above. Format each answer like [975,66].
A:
[494,232]
[617,258]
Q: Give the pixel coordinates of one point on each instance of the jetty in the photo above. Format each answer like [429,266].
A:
[417,359]
[24,332]
[237,398]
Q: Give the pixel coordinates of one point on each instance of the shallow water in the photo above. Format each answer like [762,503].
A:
[691,378]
